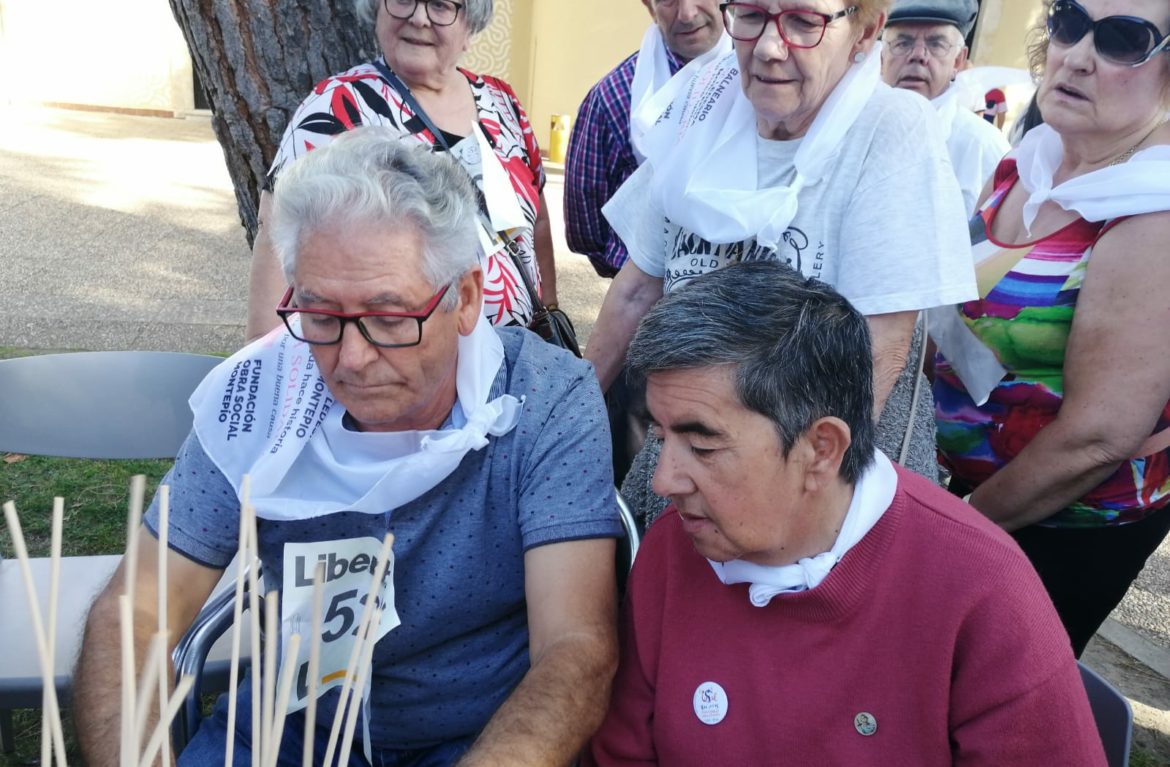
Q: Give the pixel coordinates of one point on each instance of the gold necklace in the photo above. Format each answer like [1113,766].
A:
[1128,153]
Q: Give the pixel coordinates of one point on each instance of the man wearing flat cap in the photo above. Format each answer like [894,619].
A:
[924,50]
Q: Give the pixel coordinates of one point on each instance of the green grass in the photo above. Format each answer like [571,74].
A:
[96,496]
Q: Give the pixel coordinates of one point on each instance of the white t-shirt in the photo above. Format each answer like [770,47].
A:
[885,226]
[976,147]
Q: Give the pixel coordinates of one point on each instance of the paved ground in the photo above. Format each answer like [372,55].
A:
[121,233]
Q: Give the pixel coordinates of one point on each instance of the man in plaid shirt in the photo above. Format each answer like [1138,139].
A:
[601,156]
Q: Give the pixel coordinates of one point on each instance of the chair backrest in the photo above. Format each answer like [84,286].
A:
[627,549]
[115,405]
[204,653]
[1113,715]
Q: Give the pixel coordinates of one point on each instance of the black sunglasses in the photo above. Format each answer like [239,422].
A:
[1126,40]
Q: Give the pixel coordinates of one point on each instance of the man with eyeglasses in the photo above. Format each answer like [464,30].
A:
[924,50]
[388,403]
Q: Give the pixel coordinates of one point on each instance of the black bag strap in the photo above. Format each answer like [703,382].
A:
[538,307]
[397,84]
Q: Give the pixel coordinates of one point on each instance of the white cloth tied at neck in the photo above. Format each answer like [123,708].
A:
[703,152]
[1139,185]
[654,87]
[306,463]
[872,495]
[947,106]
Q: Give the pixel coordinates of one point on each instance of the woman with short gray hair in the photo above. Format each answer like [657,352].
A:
[417,88]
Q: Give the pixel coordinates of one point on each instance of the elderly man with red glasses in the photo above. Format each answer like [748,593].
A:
[1053,388]
[925,49]
[390,404]
[792,149]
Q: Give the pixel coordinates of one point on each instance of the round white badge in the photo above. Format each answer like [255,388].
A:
[710,703]
[865,723]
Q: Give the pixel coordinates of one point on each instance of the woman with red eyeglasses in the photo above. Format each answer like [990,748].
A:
[792,149]
[1052,390]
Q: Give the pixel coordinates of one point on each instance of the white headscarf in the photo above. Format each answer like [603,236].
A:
[654,87]
[267,412]
[703,151]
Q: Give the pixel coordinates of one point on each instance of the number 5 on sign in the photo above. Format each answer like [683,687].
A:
[349,566]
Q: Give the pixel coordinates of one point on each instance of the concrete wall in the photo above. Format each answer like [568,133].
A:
[571,46]
[125,54]
[1002,32]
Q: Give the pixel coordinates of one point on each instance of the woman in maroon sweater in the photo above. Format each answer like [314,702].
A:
[803,601]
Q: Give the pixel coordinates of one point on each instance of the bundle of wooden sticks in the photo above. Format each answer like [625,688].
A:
[147,684]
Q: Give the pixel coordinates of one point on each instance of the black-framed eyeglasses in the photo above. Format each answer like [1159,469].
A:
[442,13]
[1127,40]
[798,29]
[388,330]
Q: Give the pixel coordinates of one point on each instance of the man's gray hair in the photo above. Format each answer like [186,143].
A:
[800,350]
[478,12]
[372,175]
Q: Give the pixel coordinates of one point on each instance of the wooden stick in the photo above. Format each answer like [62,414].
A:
[271,638]
[355,654]
[48,679]
[150,671]
[130,571]
[288,672]
[129,750]
[367,643]
[242,561]
[164,521]
[163,728]
[314,665]
[51,620]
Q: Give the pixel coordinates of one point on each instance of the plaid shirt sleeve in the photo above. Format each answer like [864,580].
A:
[599,160]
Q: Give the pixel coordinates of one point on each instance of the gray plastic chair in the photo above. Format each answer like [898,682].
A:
[116,405]
[98,405]
[1113,715]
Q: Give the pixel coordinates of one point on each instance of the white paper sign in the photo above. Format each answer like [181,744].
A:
[349,566]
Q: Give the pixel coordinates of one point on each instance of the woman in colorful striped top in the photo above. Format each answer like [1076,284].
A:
[1052,390]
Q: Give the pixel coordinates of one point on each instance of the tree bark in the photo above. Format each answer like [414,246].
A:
[258,59]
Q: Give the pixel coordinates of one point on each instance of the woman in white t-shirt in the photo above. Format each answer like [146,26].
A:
[793,149]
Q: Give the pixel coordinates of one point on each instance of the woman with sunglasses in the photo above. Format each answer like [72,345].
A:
[1053,389]
[416,87]
[792,149]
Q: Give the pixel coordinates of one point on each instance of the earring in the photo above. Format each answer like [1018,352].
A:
[858,57]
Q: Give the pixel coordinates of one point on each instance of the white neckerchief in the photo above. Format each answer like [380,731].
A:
[703,152]
[947,105]
[654,87]
[304,462]
[872,495]
[1139,185]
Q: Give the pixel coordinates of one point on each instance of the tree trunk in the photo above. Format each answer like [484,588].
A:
[258,59]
